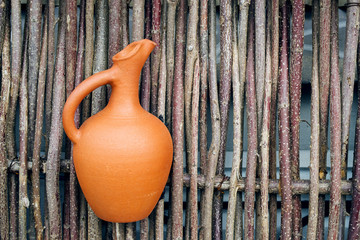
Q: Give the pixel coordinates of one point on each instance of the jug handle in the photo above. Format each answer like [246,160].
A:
[75,98]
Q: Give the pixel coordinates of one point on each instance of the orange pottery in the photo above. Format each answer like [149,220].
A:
[123,154]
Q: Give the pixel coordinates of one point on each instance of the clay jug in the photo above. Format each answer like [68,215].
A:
[122,154]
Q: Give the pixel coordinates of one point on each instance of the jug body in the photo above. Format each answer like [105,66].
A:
[123,164]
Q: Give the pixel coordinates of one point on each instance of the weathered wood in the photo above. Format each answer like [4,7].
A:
[296,59]
[4,105]
[251,111]
[335,128]
[178,126]
[347,92]
[213,153]
[315,127]
[35,177]
[274,90]
[56,134]
[284,129]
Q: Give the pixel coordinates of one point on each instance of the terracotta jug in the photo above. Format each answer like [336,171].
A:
[123,154]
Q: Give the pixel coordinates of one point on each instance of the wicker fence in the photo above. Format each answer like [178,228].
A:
[258,79]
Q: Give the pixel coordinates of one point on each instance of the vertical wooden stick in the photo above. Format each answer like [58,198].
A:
[335,128]
[315,127]
[213,154]
[193,158]
[34,57]
[178,125]
[130,231]
[224,95]
[114,29]
[16,44]
[53,164]
[192,53]
[13,194]
[4,105]
[3,6]
[324,71]
[296,56]
[50,70]
[35,177]
[170,40]
[243,29]
[71,40]
[264,144]
[274,90]
[138,20]
[284,131]
[252,133]
[237,122]
[347,85]
[260,16]
[204,52]
[354,227]
[79,76]
[155,56]
[115,32]
[204,64]
[23,132]
[89,53]
[159,220]
[146,74]
[124,23]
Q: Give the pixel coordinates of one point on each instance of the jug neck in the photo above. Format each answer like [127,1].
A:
[124,99]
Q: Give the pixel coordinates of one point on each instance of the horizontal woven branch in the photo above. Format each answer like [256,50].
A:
[221,183]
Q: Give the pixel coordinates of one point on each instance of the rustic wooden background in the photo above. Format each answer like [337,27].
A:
[49,47]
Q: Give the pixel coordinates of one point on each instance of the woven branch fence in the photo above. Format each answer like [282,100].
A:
[48,48]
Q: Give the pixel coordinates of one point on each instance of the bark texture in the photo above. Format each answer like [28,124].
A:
[284,130]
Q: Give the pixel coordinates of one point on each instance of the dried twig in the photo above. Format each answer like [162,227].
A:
[89,53]
[178,126]
[50,70]
[284,131]
[213,154]
[35,177]
[34,57]
[155,57]
[4,105]
[114,31]
[264,144]
[23,132]
[15,75]
[204,62]
[170,40]
[138,20]
[146,74]
[335,128]
[274,90]
[347,85]
[324,71]
[53,165]
[124,23]
[224,95]
[252,133]
[238,96]
[3,6]
[296,56]
[315,127]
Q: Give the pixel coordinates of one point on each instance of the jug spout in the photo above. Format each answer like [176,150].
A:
[134,55]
